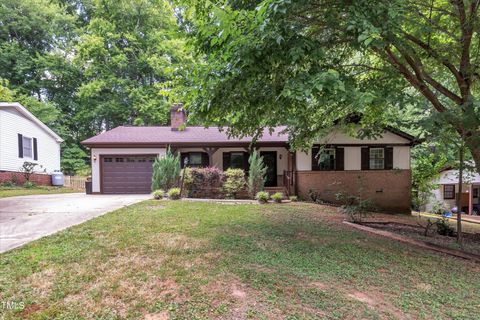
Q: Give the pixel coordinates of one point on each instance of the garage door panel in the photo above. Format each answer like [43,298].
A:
[127,174]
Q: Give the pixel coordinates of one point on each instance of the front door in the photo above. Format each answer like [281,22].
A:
[270,160]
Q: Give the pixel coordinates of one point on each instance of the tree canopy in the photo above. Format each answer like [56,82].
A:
[309,63]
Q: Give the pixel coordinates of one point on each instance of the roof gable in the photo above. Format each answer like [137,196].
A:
[28,115]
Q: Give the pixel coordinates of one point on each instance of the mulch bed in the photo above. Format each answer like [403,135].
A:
[471,240]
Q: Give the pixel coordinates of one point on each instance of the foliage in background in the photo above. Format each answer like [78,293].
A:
[234,182]
[256,174]
[166,171]
[307,64]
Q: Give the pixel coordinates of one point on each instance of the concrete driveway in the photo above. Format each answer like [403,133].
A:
[27,218]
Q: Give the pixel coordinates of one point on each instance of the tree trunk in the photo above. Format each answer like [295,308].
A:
[459,196]
[474,147]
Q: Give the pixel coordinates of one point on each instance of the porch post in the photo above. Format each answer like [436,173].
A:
[470,199]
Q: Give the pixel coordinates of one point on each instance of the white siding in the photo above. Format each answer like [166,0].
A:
[13,123]
[97,152]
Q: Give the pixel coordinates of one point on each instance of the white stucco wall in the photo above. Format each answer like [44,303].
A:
[97,152]
[337,136]
[353,158]
[13,123]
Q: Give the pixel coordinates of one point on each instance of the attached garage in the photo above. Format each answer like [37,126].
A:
[121,174]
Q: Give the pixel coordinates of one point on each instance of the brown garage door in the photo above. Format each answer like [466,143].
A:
[127,174]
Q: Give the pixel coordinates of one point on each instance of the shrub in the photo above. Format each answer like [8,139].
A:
[277,197]
[256,174]
[174,193]
[354,207]
[262,196]
[166,171]
[203,182]
[158,194]
[314,195]
[439,207]
[27,169]
[234,182]
[444,228]
[9,184]
[29,185]
[293,198]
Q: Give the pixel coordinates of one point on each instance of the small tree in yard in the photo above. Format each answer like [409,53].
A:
[234,182]
[27,169]
[256,174]
[166,171]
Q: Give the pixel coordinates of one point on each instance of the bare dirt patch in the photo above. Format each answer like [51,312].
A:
[377,302]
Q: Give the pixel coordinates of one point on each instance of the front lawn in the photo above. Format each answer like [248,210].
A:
[20,191]
[197,260]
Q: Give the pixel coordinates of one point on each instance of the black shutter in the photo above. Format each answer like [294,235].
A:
[365,158]
[339,159]
[35,152]
[246,166]
[226,160]
[205,162]
[183,156]
[315,166]
[20,146]
[388,158]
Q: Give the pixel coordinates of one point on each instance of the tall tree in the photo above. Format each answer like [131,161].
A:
[129,53]
[305,63]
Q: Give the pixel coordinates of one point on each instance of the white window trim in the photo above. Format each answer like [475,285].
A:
[370,158]
[31,147]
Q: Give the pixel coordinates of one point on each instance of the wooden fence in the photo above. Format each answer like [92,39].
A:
[75,182]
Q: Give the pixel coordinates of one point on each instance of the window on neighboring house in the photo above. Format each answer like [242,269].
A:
[237,160]
[326,159]
[449,191]
[27,147]
[377,158]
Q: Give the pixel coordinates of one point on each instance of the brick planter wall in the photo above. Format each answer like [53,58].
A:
[389,190]
[39,179]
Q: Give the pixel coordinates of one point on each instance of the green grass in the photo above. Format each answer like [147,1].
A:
[187,260]
[19,191]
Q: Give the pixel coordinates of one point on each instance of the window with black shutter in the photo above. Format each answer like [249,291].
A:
[195,159]
[235,160]
[327,159]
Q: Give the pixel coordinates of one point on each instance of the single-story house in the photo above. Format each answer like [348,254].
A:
[448,187]
[378,169]
[24,138]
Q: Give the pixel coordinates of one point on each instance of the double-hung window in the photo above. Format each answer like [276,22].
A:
[377,158]
[27,147]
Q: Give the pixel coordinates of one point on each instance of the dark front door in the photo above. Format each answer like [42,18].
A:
[270,160]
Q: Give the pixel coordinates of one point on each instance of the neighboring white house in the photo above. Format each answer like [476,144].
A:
[25,138]
[447,191]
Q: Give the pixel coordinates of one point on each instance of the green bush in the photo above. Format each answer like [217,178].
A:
[293,198]
[444,228]
[29,185]
[166,171]
[158,194]
[9,184]
[174,193]
[256,174]
[262,196]
[234,182]
[277,197]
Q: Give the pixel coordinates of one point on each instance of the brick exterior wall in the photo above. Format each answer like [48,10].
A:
[39,179]
[390,190]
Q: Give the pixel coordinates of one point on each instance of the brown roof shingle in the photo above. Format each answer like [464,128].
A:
[124,135]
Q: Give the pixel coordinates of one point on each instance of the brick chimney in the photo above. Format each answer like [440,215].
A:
[177,116]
